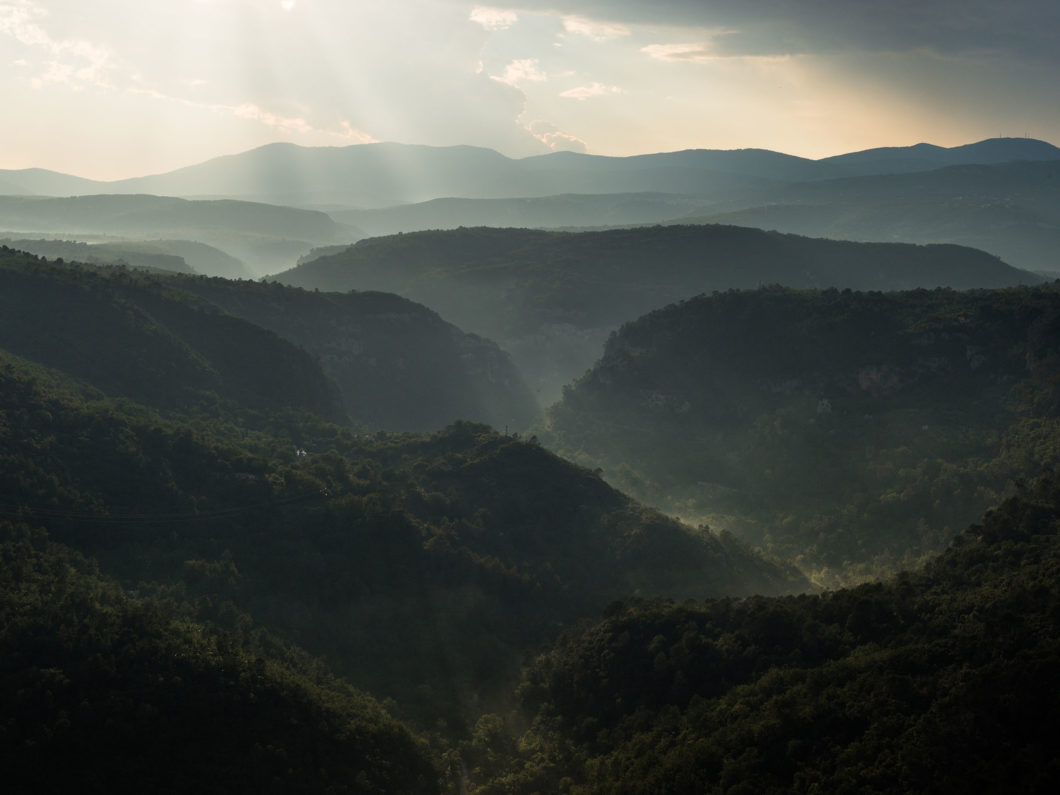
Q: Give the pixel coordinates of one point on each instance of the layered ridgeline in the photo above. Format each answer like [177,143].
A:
[423,567]
[106,691]
[265,237]
[937,681]
[1011,210]
[399,365]
[215,347]
[387,174]
[851,432]
[551,298]
[179,256]
[128,335]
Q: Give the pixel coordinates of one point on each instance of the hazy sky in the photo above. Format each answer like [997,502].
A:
[114,88]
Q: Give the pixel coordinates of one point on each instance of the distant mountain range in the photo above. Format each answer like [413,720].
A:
[178,256]
[999,194]
[379,175]
[1011,210]
[263,236]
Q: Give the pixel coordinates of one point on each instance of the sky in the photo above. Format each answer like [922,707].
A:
[117,88]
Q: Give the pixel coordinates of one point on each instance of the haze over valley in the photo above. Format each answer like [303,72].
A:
[572,397]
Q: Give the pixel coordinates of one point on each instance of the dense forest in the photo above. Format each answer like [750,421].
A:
[551,298]
[179,256]
[402,351]
[241,517]
[852,432]
[1009,209]
[938,680]
[224,567]
[263,237]
[200,343]
[106,690]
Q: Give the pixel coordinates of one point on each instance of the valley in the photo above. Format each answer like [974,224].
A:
[392,468]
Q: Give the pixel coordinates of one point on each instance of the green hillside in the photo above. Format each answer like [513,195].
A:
[179,519]
[106,691]
[848,431]
[937,681]
[423,568]
[264,237]
[212,345]
[151,257]
[128,335]
[551,298]
[398,365]
[179,256]
[1011,210]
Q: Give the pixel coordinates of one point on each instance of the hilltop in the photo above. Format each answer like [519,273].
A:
[423,567]
[935,680]
[263,236]
[853,432]
[384,174]
[249,349]
[552,298]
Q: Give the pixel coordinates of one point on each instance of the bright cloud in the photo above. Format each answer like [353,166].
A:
[554,138]
[598,31]
[686,53]
[72,61]
[524,69]
[250,111]
[494,18]
[592,90]
[153,85]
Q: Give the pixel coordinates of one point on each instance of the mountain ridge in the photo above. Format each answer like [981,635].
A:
[551,298]
[227,175]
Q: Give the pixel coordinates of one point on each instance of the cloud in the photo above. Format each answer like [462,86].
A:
[593,90]
[493,18]
[287,124]
[682,53]
[1015,28]
[554,138]
[593,29]
[524,69]
[16,20]
[74,62]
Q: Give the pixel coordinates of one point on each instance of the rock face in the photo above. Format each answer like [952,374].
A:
[398,364]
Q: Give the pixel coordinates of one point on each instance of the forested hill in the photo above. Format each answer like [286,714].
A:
[550,298]
[180,256]
[134,214]
[424,568]
[844,429]
[937,681]
[216,346]
[125,333]
[143,256]
[398,364]
[264,237]
[1010,209]
[106,691]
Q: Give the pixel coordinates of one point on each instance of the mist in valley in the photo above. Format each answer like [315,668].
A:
[561,397]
